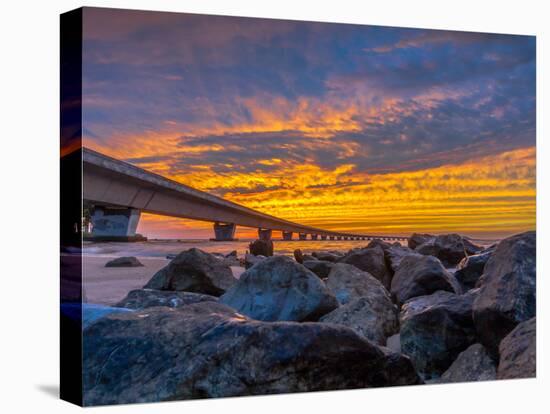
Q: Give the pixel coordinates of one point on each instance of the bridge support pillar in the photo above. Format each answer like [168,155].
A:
[323,237]
[224,231]
[331,237]
[264,234]
[114,223]
[287,235]
[338,237]
[314,237]
[302,236]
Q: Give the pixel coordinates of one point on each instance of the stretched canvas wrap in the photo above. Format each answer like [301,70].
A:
[255,206]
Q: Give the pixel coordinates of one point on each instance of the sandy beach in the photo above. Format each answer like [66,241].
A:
[108,285]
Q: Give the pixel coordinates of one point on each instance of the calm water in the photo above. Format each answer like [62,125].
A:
[161,248]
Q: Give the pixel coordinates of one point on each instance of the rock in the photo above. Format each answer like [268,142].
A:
[347,283]
[208,350]
[194,271]
[508,290]
[449,248]
[320,267]
[308,258]
[370,260]
[394,343]
[147,298]
[298,256]
[380,243]
[373,316]
[126,261]
[279,289]
[261,248]
[470,269]
[232,253]
[421,275]
[327,256]
[435,329]
[84,314]
[518,352]
[418,238]
[473,364]
[250,260]
[395,254]
[399,368]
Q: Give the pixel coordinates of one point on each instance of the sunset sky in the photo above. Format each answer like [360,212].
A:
[344,127]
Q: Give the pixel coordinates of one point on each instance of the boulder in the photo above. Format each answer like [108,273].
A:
[232,253]
[470,269]
[261,248]
[473,364]
[421,275]
[250,260]
[327,256]
[208,350]
[394,343]
[395,254]
[377,242]
[370,260]
[508,289]
[320,267]
[347,283]
[147,298]
[126,261]
[279,289]
[298,256]
[435,329]
[194,271]
[449,248]
[373,316]
[418,238]
[84,314]
[518,352]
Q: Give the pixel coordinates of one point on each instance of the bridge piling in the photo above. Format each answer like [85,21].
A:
[264,234]
[224,231]
[314,237]
[287,235]
[302,236]
[110,222]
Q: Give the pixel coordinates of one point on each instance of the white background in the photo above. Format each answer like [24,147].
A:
[29,195]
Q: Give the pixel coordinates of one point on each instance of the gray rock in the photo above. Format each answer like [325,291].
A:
[395,254]
[380,243]
[421,275]
[308,258]
[370,260]
[473,364]
[327,256]
[508,290]
[449,248]
[92,312]
[518,352]
[373,316]
[435,329]
[470,269]
[394,343]
[194,271]
[250,260]
[320,267]
[279,289]
[261,248]
[147,298]
[417,239]
[126,261]
[208,350]
[347,283]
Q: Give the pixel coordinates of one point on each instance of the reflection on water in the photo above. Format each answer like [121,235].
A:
[161,248]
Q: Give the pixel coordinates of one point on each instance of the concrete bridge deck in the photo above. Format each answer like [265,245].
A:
[120,191]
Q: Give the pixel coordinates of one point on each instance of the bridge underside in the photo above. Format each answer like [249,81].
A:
[119,193]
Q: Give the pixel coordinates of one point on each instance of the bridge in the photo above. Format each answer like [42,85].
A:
[120,191]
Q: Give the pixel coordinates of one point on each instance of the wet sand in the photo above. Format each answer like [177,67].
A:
[108,285]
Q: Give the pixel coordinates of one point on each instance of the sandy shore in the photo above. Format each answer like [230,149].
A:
[108,285]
